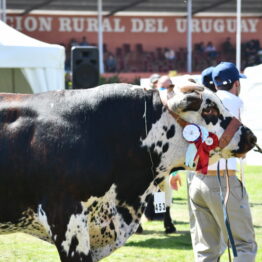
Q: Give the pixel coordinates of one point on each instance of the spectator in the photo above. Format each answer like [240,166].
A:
[84,42]
[110,63]
[169,54]
[227,49]
[153,81]
[73,42]
[251,52]
[206,78]
[211,50]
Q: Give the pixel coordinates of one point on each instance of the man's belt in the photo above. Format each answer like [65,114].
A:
[222,172]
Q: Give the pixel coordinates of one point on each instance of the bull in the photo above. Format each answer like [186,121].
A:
[77,166]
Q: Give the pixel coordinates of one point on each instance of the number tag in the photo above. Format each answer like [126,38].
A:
[159,202]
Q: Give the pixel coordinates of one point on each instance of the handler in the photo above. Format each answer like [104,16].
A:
[208,230]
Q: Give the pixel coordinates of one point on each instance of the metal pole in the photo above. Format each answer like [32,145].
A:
[238,36]
[238,65]
[100,36]
[1,10]
[189,36]
[4,11]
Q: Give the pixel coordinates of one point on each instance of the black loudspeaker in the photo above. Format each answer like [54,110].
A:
[85,67]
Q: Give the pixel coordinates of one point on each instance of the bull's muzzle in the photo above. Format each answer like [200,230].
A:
[247,141]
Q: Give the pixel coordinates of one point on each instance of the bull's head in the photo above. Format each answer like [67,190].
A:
[198,105]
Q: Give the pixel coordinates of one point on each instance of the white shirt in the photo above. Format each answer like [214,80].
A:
[234,104]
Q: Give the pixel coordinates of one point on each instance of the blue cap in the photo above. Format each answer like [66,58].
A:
[206,78]
[226,73]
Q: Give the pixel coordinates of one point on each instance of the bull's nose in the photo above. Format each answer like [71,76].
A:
[251,138]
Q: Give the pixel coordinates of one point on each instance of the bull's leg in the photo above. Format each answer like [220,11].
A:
[74,257]
[168,224]
[66,223]
[74,243]
[139,229]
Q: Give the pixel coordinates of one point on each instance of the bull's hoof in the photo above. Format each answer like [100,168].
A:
[139,229]
[170,229]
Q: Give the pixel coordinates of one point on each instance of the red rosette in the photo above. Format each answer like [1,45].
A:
[203,150]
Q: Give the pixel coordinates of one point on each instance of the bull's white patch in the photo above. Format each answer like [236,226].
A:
[107,229]
[77,228]
[175,154]
[43,220]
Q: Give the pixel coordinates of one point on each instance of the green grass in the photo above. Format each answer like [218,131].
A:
[151,246]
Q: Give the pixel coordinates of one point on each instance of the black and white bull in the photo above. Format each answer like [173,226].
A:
[76,166]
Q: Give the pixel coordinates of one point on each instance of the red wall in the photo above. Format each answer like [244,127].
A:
[151,31]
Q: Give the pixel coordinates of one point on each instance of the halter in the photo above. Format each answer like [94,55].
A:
[227,135]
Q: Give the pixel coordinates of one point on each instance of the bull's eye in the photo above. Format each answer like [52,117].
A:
[210,111]
[210,114]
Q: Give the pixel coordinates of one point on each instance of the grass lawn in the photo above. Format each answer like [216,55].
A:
[151,246]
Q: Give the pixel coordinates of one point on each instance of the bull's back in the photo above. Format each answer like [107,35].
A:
[66,142]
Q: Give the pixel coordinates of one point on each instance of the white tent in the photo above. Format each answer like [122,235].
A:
[251,94]
[42,64]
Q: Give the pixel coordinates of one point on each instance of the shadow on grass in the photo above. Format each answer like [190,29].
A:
[181,240]
[180,222]
[179,199]
[255,204]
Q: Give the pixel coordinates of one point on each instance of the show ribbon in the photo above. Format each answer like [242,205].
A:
[203,150]
[201,142]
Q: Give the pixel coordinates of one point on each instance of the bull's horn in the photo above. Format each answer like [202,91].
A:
[189,86]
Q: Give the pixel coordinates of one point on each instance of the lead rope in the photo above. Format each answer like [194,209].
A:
[224,205]
[148,149]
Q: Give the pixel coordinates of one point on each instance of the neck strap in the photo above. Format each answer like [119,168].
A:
[226,137]
[229,132]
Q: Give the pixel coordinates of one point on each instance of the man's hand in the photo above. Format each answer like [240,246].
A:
[175,181]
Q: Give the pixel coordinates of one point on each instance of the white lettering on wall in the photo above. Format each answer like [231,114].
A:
[18,21]
[107,25]
[231,25]
[78,24]
[118,27]
[30,23]
[148,25]
[181,25]
[206,25]
[216,25]
[64,24]
[45,24]
[195,26]
[137,25]
[219,26]
[92,25]
[161,27]
[252,25]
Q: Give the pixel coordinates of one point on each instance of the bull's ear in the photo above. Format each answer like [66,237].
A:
[182,102]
